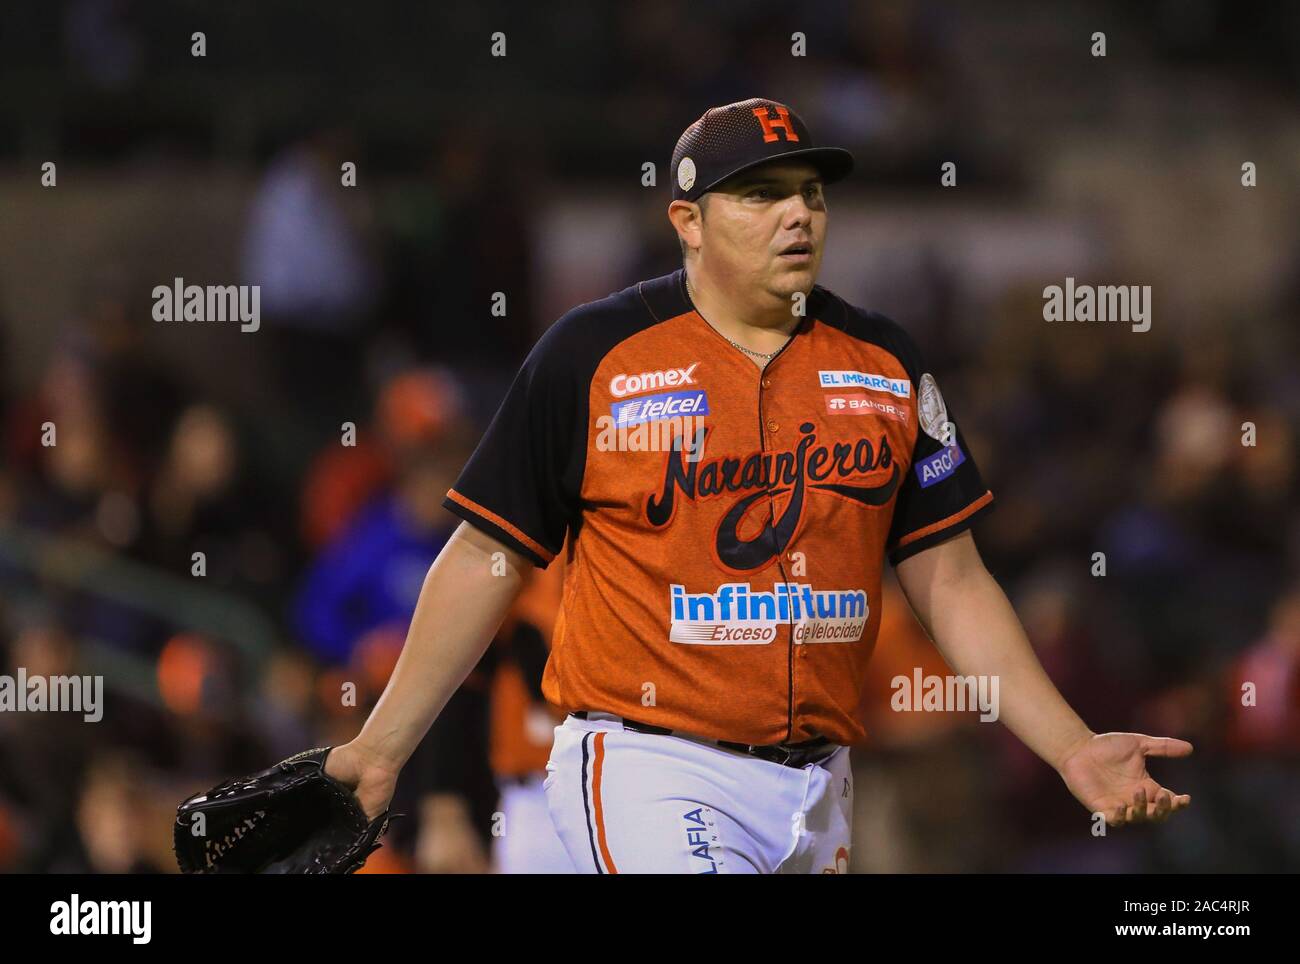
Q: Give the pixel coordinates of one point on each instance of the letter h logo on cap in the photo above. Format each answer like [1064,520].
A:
[769,123]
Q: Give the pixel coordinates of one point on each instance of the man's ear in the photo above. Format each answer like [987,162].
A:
[686,218]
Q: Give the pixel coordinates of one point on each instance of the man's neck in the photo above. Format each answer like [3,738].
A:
[761,328]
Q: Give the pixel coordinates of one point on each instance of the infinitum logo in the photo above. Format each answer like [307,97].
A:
[737,615]
[95,917]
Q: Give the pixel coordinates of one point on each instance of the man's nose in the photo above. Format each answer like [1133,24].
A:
[797,211]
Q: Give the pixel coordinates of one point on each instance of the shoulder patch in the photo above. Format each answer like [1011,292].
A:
[933,412]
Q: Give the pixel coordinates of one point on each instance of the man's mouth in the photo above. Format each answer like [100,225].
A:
[797,252]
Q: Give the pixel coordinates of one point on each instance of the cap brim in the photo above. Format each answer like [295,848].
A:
[832,163]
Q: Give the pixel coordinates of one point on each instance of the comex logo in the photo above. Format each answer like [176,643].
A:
[621,385]
[94,917]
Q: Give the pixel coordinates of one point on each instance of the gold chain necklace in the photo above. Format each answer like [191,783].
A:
[766,356]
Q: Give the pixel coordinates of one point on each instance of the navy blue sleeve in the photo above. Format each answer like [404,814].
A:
[942,493]
[522,483]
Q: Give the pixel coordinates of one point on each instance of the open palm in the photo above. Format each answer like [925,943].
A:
[1108,775]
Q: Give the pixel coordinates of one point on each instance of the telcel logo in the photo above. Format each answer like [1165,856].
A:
[656,408]
[622,385]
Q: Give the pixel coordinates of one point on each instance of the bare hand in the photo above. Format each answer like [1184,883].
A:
[1108,775]
[372,783]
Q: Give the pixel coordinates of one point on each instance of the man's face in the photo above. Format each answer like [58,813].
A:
[754,218]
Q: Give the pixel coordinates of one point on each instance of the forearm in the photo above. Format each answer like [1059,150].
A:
[461,605]
[978,632]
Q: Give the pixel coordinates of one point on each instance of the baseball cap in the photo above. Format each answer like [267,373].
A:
[733,138]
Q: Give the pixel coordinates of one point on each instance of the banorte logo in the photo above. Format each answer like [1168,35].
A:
[760,475]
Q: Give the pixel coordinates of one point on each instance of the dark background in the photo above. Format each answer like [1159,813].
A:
[523,175]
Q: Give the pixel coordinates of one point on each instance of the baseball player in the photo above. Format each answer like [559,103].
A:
[732,451]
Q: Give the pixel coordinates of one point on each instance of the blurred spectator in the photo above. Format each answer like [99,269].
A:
[208,497]
[1269,723]
[101,42]
[371,574]
[283,711]
[43,755]
[116,839]
[304,247]
[416,409]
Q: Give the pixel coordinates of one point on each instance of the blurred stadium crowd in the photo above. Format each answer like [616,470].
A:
[375,311]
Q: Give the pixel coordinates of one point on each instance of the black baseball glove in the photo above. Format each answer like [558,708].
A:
[291,819]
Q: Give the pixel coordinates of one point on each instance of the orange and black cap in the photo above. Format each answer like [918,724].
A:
[736,137]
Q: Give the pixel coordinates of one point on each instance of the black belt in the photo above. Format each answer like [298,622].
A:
[797,755]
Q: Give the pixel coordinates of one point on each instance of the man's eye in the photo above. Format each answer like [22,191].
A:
[761,192]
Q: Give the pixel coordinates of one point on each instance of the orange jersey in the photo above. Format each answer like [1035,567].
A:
[728,525]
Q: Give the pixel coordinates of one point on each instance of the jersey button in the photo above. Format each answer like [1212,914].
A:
[771,425]
[767,383]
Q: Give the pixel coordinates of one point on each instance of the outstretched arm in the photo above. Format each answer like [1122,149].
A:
[972,623]
[465,596]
